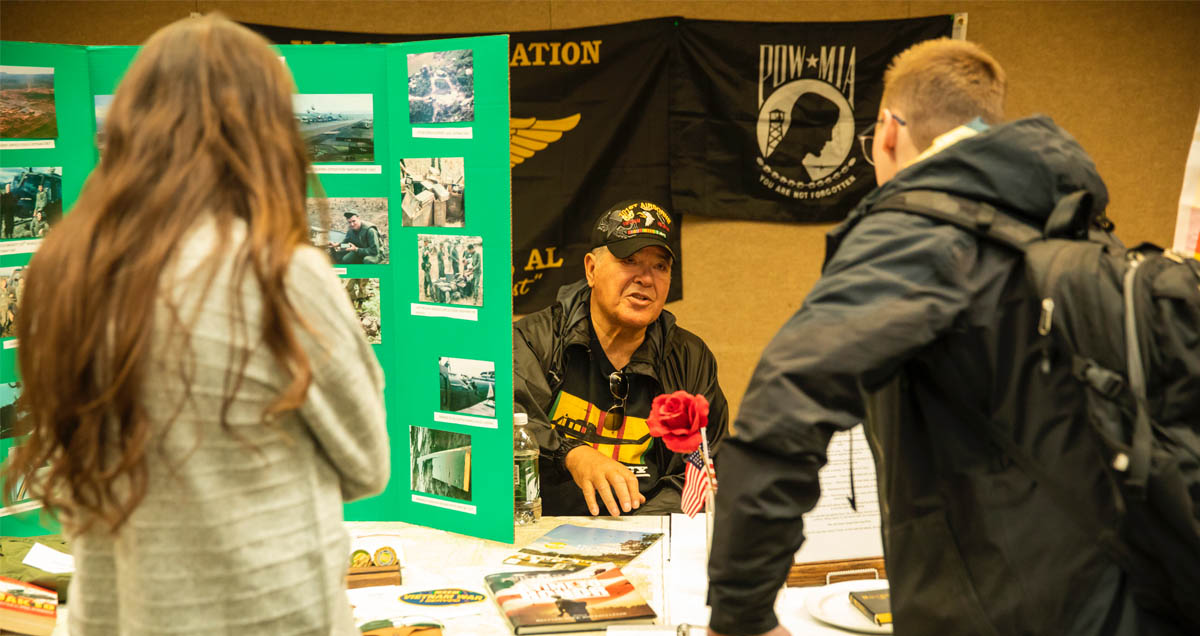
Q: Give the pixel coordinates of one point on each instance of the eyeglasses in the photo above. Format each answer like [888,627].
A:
[866,137]
[618,386]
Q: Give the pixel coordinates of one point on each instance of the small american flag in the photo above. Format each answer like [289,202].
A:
[696,482]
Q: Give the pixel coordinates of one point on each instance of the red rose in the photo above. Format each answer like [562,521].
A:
[677,418]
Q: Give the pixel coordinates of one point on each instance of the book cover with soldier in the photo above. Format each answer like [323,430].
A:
[555,601]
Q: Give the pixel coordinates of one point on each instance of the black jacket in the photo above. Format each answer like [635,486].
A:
[673,357]
[921,330]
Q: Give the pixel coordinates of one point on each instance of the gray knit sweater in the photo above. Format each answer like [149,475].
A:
[241,535]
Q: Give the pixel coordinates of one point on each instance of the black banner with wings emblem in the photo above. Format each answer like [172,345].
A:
[588,129]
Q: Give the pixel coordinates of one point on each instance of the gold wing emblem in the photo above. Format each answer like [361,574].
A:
[529,135]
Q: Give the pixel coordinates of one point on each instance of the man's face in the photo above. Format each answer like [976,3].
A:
[631,291]
[354,222]
[39,187]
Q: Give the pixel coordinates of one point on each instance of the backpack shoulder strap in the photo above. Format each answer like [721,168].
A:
[976,217]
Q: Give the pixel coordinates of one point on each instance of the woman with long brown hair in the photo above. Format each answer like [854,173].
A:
[202,398]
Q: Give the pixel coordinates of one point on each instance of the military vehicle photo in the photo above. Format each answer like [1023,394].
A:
[30,201]
[467,386]
[336,128]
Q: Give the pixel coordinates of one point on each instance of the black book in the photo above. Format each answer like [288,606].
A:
[875,604]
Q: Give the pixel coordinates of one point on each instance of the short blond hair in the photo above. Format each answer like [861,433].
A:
[942,84]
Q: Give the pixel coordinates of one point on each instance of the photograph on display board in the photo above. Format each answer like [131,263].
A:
[441,87]
[441,462]
[12,285]
[433,192]
[12,427]
[27,103]
[364,295]
[336,127]
[358,229]
[450,269]
[103,103]
[467,386]
[30,201]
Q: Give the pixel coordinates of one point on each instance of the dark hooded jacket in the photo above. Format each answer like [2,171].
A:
[919,329]
[672,357]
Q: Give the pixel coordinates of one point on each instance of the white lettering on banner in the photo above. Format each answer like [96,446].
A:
[779,64]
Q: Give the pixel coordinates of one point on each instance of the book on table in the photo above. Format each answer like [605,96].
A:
[591,599]
[26,608]
[572,547]
[874,604]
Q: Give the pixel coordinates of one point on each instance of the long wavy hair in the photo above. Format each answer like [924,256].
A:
[201,127]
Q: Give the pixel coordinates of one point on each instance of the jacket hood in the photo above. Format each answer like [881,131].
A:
[1023,167]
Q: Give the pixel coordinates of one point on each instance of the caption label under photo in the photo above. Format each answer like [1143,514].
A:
[465,420]
[443,133]
[437,311]
[449,505]
[338,169]
[31,144]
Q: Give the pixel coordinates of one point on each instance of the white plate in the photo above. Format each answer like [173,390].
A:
[831,604]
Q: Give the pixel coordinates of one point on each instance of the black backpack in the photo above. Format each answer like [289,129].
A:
[1130,320]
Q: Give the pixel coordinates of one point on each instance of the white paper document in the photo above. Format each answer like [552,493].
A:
[46,558]
[833,530]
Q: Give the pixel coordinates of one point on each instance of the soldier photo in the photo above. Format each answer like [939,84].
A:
[450,269]
[364,295]
[360,245]
[11,286]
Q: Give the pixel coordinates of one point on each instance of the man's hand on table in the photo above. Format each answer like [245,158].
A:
[596,474]
[779,630]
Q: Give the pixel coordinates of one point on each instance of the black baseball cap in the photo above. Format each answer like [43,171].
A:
[632,225]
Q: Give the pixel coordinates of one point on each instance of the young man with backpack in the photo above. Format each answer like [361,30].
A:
[1002,505]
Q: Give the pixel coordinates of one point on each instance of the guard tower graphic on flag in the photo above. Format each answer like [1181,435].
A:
[774,130]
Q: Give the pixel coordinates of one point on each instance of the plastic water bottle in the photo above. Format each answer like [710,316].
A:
[527,496]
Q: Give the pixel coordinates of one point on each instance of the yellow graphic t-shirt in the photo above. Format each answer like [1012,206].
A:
[576,418]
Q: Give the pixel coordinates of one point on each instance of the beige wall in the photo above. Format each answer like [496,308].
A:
[1123,77]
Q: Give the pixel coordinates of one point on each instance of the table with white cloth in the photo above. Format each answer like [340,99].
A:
[670,575]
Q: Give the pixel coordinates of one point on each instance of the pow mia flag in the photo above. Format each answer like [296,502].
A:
[588,129]
[764,115]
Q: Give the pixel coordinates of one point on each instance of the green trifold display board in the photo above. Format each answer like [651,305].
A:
[410,142]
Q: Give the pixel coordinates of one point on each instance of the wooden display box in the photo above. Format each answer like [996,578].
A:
[825,572]
[373,575]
